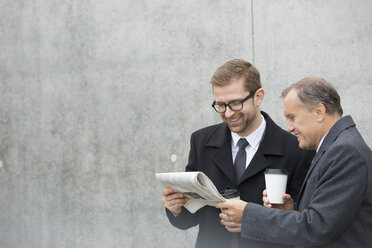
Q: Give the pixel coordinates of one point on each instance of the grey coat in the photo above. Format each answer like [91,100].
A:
[334,204]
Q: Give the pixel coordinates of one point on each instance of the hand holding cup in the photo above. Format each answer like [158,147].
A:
[286,206]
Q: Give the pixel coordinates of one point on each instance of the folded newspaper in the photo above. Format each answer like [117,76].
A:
[194,185]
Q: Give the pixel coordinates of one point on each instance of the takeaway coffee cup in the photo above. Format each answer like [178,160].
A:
[276,182]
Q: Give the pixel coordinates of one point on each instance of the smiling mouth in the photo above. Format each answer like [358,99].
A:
[234,121]
[296,134]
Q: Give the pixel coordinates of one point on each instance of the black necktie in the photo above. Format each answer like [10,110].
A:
[240,159]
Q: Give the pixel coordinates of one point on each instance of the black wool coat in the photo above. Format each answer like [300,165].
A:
[210,152]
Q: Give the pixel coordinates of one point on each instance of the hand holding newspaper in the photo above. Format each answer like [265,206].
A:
[194,185]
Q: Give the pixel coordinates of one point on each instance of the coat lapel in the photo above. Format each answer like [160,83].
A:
[223,160]
[220,139]
[332,135]
[315,160]
[258,163]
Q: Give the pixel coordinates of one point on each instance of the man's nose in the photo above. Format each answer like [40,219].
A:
[290,127]
[229,112]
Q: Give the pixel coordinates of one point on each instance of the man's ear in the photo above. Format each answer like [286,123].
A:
[259,96]
[319,111]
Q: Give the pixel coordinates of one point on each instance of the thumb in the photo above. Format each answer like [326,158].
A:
[220,205]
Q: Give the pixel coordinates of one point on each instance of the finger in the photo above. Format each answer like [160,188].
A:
[224,210]
[235,230]
[174,196]
[227,223]
[175,207]
[225,204]
[175,210]
[164,198]
[167,191]
[232,225]
[221,205]
[223,216]
[180,200]
[287,197]
[267,204]
[177,202]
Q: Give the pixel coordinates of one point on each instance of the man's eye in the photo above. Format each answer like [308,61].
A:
[220,106]
[235,104]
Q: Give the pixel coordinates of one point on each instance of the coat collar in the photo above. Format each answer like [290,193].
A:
[273,140]
[334,132]
[272,144]
[220,139]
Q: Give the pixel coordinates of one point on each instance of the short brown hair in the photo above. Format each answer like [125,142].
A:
[315,90]
[237,68]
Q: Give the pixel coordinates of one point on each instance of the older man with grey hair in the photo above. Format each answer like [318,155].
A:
[334,207]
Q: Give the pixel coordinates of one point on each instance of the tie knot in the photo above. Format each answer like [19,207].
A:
[242,143]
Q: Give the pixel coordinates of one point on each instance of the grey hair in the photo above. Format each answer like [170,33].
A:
[313,90]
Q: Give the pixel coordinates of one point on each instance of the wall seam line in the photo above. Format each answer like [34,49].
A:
[252,31]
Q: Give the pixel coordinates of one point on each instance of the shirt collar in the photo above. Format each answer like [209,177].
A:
[254,139]
[320,143]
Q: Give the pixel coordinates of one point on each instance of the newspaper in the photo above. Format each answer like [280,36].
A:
[194,185]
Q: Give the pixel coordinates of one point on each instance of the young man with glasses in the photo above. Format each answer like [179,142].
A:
[216,151]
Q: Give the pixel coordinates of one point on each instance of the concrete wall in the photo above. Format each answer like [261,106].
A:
[97,96]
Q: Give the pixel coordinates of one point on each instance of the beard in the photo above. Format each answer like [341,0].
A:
[248,119]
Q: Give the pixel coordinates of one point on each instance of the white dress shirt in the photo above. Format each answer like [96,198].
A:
[254,140]
[321,142]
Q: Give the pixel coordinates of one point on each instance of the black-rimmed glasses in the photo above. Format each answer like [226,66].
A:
[234,106]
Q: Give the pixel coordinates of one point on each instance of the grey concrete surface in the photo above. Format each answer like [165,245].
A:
[98,96]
